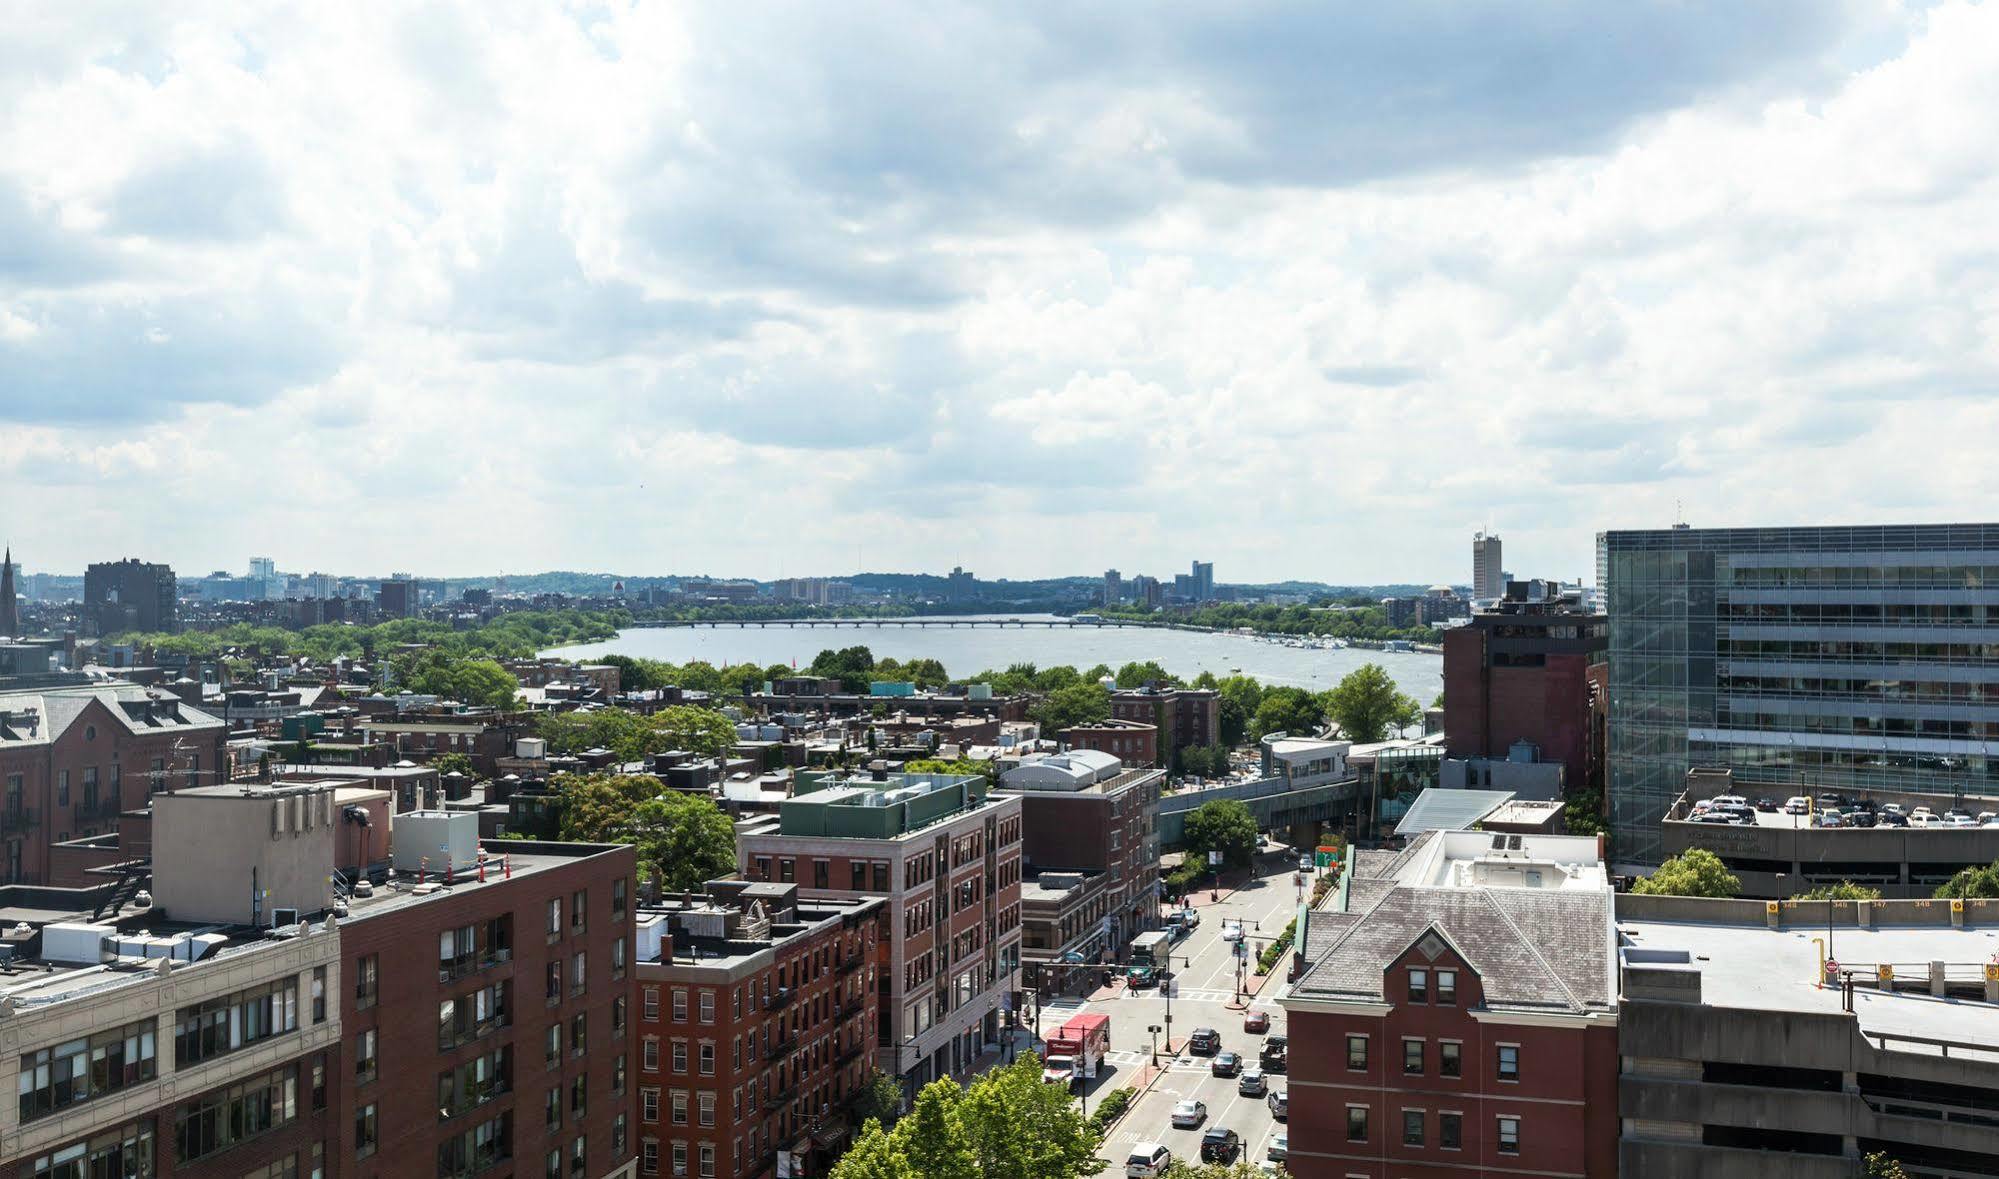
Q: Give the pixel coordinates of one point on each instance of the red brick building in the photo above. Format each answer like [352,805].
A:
[1530,671]
[1184,717]
[1460,1017]
[758,1024]
[1135,743]
[72,758]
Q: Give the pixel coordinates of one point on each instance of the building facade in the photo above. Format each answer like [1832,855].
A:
[1487,580]
[10,603]
[1132,742]
[1853,658]
[130,595]
[946,856]
[1534,672]
[758,1024]
[1458,1015]
[1184,717]
[1085,813]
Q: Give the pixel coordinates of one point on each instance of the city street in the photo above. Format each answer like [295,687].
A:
[1204,988]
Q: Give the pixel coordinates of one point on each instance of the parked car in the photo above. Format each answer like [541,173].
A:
[1191,918]
[1256,1022]
[1887,807]
[1797,804]
[1280,1147]
[1304,863]
[1280,1104]
[1272,1058]
[1189,1114]
[1767,805]
[1830,819]
[1858,818]
[1958,819]
[1220,1145]
[1252,1083]
[1923,818]
[1226,1064]
[1891,819]
[1205,1041]
[1147,1161]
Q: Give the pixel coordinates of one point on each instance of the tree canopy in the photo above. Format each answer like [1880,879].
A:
[1077,704]
[1287,710]
[1845,890]
[436,672]
[1006,1125]
[1367,706]
[630,736]
[1970,883]
[683,840]
[1224,825]
[1696,872]
[1136,674]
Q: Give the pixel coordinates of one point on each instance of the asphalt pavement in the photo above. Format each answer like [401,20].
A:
[1204,996]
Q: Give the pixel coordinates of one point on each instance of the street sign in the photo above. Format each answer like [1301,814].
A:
[1214,859]
[1325,859]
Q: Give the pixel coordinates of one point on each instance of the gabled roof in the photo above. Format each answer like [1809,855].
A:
[42,717]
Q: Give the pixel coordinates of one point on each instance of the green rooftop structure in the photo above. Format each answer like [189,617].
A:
[867,808]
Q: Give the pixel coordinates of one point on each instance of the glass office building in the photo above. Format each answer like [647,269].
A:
[1834,658]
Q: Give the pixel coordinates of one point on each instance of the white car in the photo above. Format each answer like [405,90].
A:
[1797,804]
[1189,1114]
[1280,1147]
[1232,932]
[1957,820]
[1147,1161]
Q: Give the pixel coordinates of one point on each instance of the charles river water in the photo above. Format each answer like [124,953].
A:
[965,651]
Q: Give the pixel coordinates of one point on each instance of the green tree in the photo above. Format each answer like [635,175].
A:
[1366,705]
[1054,679]
[1881,1166]
[1696,872]
[1287,710]
[852,666]
[989,770]
[1224,825]
[1240,697]
[1971,883]
[1076,704]
[454,763]
[876,1154]
[690,727]
[1137,675]
[880,1099]
[1845,890]
[683,840]
[934,1136]
[1024,1129]
[598,808]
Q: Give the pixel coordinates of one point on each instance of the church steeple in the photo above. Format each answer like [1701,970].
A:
[10,612]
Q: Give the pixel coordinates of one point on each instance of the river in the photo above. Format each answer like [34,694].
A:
[965,651]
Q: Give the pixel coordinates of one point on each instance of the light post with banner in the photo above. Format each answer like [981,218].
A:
[1215,863]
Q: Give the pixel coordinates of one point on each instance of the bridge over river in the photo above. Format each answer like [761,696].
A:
[913,623]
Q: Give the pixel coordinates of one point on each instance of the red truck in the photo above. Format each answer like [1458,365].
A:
[1076,1050]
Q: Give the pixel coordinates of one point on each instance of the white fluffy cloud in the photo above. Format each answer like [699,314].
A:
[1028,288]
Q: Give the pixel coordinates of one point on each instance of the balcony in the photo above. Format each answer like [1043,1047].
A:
[779,998]
[852,962]
[17,818]
[779,1048]
[481,1095]
[97,810]
[470,964]
[848,1057]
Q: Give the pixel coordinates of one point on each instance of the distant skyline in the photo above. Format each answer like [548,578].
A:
[779,289]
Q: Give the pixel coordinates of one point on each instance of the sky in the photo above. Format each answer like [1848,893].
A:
[1035,289]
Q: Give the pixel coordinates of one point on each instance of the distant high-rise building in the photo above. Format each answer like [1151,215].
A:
[1488,581]
[1146,591]
[263,567]
[960,586]
[396,598]
[131,595]
[1203,584]
[10,607]
[1113,587]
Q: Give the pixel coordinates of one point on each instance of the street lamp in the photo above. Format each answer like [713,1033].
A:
[1167,986]
[1154,1029]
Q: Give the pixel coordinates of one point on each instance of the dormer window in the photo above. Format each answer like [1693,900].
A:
[1419,986]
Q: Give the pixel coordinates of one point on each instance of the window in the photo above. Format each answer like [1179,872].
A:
[1412,1057]
[680,1056]
[365,1064]
[618,897]
[707,1058]
[649,1104]
[618,1075]
[1357,1054]
[554,918]
[551,983]
[706,1108]
[230,1022]
[474,1083]
[678,1107]
[577,1165]
[1447,988]
[577,972]
[485,1145]
[680,1005]
[820,874]
[551,1046]
[617,1017]
[319,1081]
[649,1005]
[680,1156]
[1449,1058]
[1509,1062]
[364,980]
[1509,1135]
[618,1135]
[87,1067]
[552,1166]
[228,1117]
[465,1018]
[650,1052]
[1356,1123]
[551,1108]
[579,1096]
[123,1153]
[579,1033]
[707,1007]
[1419,986]
[707,1160]
[579,905]
[1412,1127]
[319,994]
[648,1156]
[785,871]
[457,952]
[618,959]
[1450,1131]
[859,869]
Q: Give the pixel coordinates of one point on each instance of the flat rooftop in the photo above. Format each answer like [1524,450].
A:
[1482,859]
[1777,970]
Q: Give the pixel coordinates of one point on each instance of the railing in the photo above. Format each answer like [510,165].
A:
[778,1048]
[1933,1111]
[473,964]
[848,1056]
[103,808]
[452,1037]
[16,819]
[778,998]
[1943,1046]
[492,1091]
[852,963]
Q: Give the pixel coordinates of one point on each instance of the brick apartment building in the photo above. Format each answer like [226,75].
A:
[946,856]
[1185,717]
[1135,743]
[1460,1015]
[72,758]
[1533,671]
[1084,814]
[758,1023]
[258,1019]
